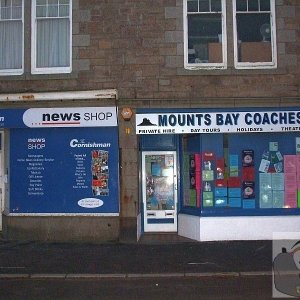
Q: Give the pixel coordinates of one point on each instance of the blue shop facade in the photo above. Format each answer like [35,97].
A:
[219,174]
[61,167]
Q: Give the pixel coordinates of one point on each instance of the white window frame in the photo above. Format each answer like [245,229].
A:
[200,66]
[49,70]
[9,72]
[256,65]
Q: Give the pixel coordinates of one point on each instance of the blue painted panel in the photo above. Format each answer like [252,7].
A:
[249,203]
[234,192]
[221,192]
[11,118]
[213,143]
[64,170]
[235,202]
[193,143]
[158,142]
[160,221]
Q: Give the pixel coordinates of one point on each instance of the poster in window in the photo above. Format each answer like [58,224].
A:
[248,190]
[248,158]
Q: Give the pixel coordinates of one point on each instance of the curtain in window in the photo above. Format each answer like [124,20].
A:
[11,47]
[53,44]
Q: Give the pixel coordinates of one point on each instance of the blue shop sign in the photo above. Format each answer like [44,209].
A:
[58,117]
[72,169]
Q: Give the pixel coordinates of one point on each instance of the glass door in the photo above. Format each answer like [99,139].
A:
[159,191]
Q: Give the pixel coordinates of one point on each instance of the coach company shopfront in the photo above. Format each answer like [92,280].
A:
[220,175]
[60,172]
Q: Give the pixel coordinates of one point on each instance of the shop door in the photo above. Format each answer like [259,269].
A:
[159,191]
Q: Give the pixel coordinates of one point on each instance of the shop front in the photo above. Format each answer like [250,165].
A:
[220,174]
[60,171]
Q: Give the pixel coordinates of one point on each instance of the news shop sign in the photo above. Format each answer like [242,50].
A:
[59,117]
[217,122]
[70,117]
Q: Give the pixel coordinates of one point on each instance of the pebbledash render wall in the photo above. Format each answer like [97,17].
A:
[136,47]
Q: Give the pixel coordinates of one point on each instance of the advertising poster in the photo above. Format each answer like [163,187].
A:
[64,170]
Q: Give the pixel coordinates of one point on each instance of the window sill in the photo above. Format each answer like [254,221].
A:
[196,67]
[231,71]
[51,71]
[259,66]
[12,73]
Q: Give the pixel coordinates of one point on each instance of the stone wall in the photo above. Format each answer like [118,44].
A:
[136,47]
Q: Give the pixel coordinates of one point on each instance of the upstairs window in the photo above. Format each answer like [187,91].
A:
[51,36]
[11,37]
[205,34]
[254,33]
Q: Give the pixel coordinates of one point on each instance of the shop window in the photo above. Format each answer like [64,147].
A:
[241,174]
[191,172]
[11,37]
[51,36]
[254,33]
[205,34]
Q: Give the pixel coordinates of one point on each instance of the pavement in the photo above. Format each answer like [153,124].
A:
[157,256]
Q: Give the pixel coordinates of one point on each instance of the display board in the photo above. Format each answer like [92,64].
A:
[64,170]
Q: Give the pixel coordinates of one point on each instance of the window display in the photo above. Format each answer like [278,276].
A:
[242,173]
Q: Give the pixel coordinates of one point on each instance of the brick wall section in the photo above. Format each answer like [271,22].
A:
[137,47]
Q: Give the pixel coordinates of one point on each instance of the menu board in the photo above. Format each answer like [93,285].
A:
[64,170]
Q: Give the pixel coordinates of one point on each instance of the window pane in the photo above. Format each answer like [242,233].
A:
[252,5]
[41,2]
[16,2]
[53,2]
[254,38]
[64,2]
[64,11]
[265,5]
[204,5]
[241,5]
[5,3]
[6,13]
[205,38]
[17,13]
[11,34]
[41,11]
[216,5]
[53,43]
[192,5]
[53,11]
[248,26]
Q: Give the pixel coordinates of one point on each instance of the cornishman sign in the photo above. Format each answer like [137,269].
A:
[217,122]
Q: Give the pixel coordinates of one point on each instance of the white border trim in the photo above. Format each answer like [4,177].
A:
[49,96]
[160,214]
[205,66]
[49,70]
[229,228]
[256,65]
[62,215]
[11,72]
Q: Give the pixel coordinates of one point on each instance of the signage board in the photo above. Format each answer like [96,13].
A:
[217,122]
[64,170]
[58,117]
